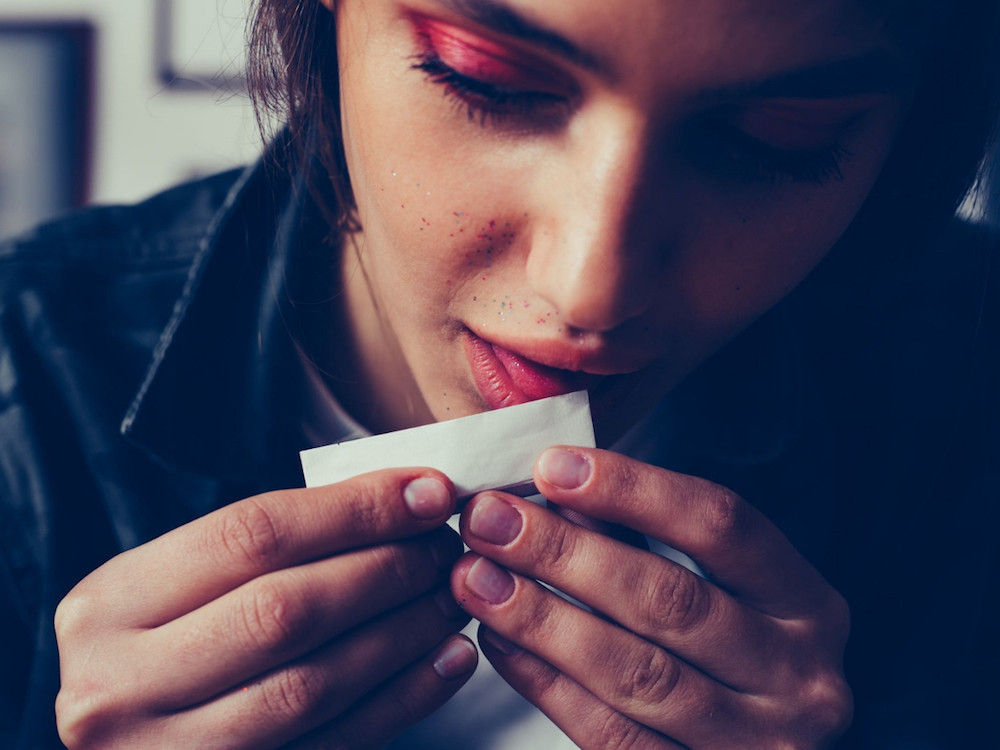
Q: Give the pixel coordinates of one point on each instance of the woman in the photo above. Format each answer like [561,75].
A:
[482,202]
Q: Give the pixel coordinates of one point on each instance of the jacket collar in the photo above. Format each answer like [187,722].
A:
[222,395]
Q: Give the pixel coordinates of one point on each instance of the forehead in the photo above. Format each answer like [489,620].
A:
[699,37]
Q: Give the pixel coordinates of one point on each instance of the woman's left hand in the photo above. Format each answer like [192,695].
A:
[750,658]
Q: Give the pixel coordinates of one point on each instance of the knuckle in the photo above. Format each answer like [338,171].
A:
[541,619]
[829,707]
[554,549]
[369,513]
[269,617]
[651,679]
[726,516]
[75,612]
[84,716]
[625,478]
[615,730]
[547,682]
[398,570]
[675,601]
[292,694]
[249,534]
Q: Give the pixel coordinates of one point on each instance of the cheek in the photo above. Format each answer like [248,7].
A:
[733,271]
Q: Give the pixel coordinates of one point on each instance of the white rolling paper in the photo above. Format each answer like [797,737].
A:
[493,450]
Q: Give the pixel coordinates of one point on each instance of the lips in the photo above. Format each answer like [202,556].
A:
[505,378]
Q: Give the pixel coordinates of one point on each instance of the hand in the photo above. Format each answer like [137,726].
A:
[313,617]
[750,658]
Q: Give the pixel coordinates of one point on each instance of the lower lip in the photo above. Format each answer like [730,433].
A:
[506,379]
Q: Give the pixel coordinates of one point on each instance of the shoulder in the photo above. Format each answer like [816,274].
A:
[165,227]
[101,283]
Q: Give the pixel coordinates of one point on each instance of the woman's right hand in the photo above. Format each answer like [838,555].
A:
[313,618]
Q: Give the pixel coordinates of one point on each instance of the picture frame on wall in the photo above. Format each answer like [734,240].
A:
[201,44]
[45,120]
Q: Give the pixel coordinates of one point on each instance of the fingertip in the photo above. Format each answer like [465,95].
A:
[564,468]
[429,496]
[457,658]
[460,568]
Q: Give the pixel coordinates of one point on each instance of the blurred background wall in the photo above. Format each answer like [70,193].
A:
[112,100]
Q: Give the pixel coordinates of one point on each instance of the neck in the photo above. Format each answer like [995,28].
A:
[371,378]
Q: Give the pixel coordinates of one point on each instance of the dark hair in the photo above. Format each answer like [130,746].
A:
[293,74]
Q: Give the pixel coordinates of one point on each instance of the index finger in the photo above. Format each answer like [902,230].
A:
[739,548]
[198,562]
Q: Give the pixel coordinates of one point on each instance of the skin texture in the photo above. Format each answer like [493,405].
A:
[606,237]
[307,618]
[621,227]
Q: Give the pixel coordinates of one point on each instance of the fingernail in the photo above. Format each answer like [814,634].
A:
[455,659]
[427,497]
[489,582]
[564,469]
[500,643]
[447,604]
[494,521]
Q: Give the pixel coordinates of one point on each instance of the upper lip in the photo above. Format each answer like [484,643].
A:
[588,354]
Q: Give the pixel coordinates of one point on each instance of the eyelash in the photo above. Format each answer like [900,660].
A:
[741,155]
[753,160]
[483,100]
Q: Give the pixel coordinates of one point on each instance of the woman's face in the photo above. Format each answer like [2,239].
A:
[579,193]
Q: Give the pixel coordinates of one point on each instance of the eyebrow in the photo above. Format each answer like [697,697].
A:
[505,20]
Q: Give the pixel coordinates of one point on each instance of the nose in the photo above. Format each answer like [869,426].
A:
[594,252]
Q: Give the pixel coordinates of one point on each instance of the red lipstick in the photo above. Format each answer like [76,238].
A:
[505,378]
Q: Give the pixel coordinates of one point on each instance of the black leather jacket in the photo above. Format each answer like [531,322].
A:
[146,378]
